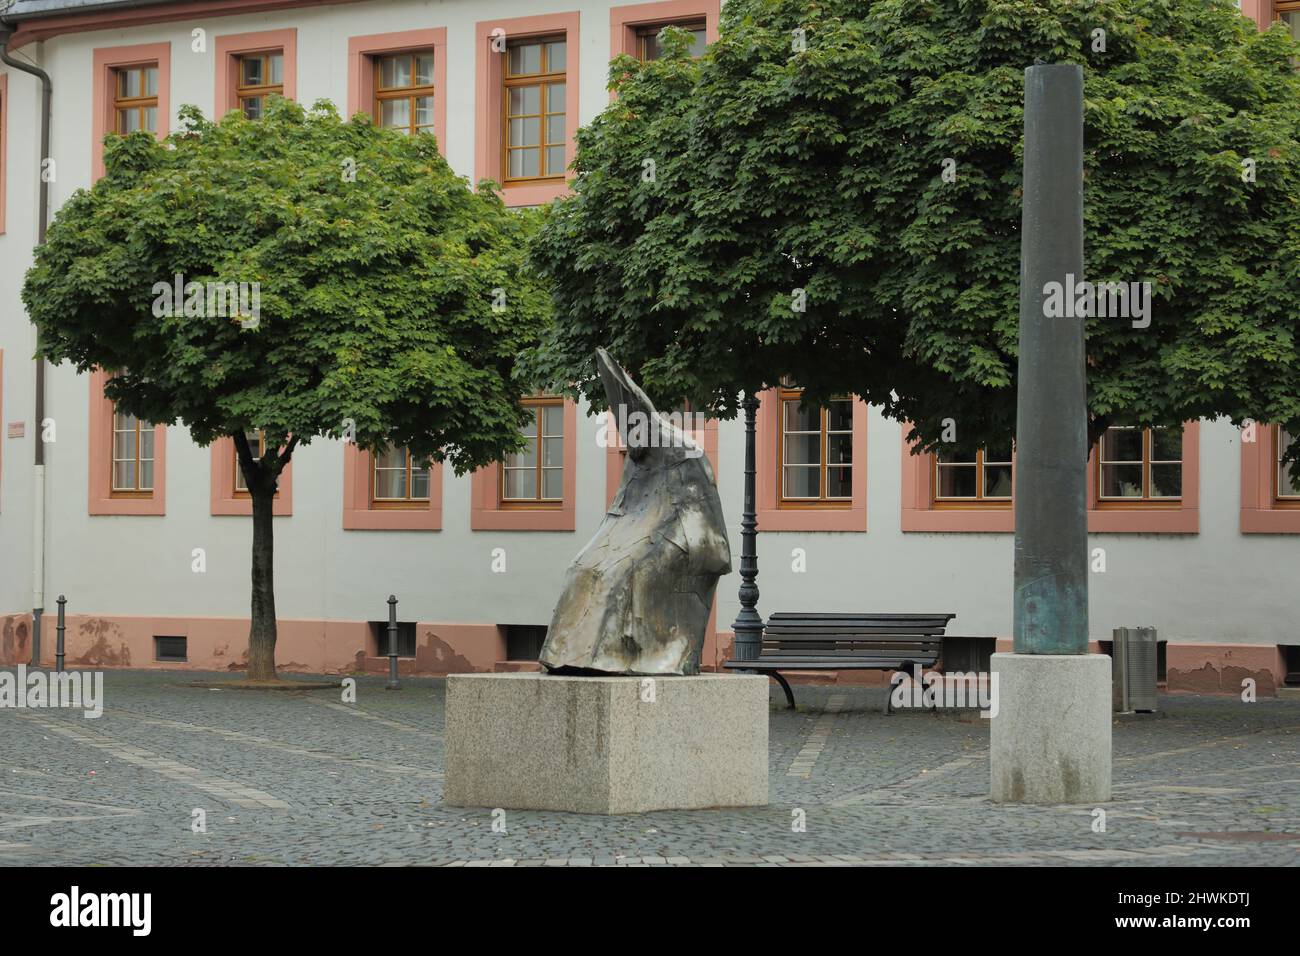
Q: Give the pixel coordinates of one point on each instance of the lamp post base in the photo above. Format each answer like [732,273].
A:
[1050,739]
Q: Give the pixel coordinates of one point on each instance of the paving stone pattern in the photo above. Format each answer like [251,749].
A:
[301,778]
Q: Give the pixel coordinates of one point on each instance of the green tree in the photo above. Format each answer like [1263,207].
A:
[394,300]
[801,162]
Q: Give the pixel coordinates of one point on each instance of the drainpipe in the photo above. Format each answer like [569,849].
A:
[38,471]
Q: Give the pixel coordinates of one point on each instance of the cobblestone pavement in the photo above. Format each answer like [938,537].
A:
[301,778]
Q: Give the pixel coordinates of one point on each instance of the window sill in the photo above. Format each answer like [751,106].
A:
[812,519]
[1000,520]
[533,194]
[1149,520]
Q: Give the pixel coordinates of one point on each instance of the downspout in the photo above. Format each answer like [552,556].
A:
[38,471]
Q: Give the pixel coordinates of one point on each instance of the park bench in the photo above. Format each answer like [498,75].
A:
[833,642]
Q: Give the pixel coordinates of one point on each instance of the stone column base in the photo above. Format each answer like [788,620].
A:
[1050,740]
[606,744]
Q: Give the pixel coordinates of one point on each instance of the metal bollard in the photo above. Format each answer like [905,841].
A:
[392,644]
[58,646]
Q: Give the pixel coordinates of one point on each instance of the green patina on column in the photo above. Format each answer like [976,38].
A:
[1051,552]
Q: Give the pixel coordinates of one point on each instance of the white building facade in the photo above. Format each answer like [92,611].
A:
[149,538]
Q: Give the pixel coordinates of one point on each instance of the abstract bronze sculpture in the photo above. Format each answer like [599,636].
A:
[636,599]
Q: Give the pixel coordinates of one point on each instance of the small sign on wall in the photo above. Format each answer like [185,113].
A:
[17,429]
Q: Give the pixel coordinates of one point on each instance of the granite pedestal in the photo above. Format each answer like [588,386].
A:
[1050,739]
[607,744]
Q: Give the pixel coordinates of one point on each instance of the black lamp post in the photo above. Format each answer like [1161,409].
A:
[748,626]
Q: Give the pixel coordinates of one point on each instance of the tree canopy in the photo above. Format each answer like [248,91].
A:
[383,299]
[779,207]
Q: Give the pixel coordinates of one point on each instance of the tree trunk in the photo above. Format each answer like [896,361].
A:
[261,634]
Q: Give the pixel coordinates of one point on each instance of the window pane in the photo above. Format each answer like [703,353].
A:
[391,458]
[555,98]
[1121,444]
[803,449]
[151,119]
[1166,444]
[1166,481]
[524,162]
[525,58]
[252,107]
[803,482]
[395,113]
[525,100]
[527,458]
[128,121]
[521,483]
[552,420]
[525,132]
[839,482]
[124,444]
[957,481]
[151,81]
[132,87]
[420,483]
[951,455]
[839,416]
[554,160]
[997,481]
[146,476]
[251,70]
[146,441]
[424,111]
[552,483]
[839,449]
[555,57]
[553,452]
[1121,481]
[390,483]
[424,69]
[123,84]
[277,69]
[999,455]
[124,475]
[555,129]
[797,419]
[387,72]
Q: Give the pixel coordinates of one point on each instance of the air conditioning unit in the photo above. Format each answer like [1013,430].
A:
[1133,670]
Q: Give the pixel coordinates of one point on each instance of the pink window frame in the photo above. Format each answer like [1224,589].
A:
[359,511]
[102,501]
[102,121]
[487,514]
[224,500]
[851,517]
[1183,518]
[230,47]
[489,67]
[1259,511]
[625,21]
[919,513]
[362,51]
[918,509]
